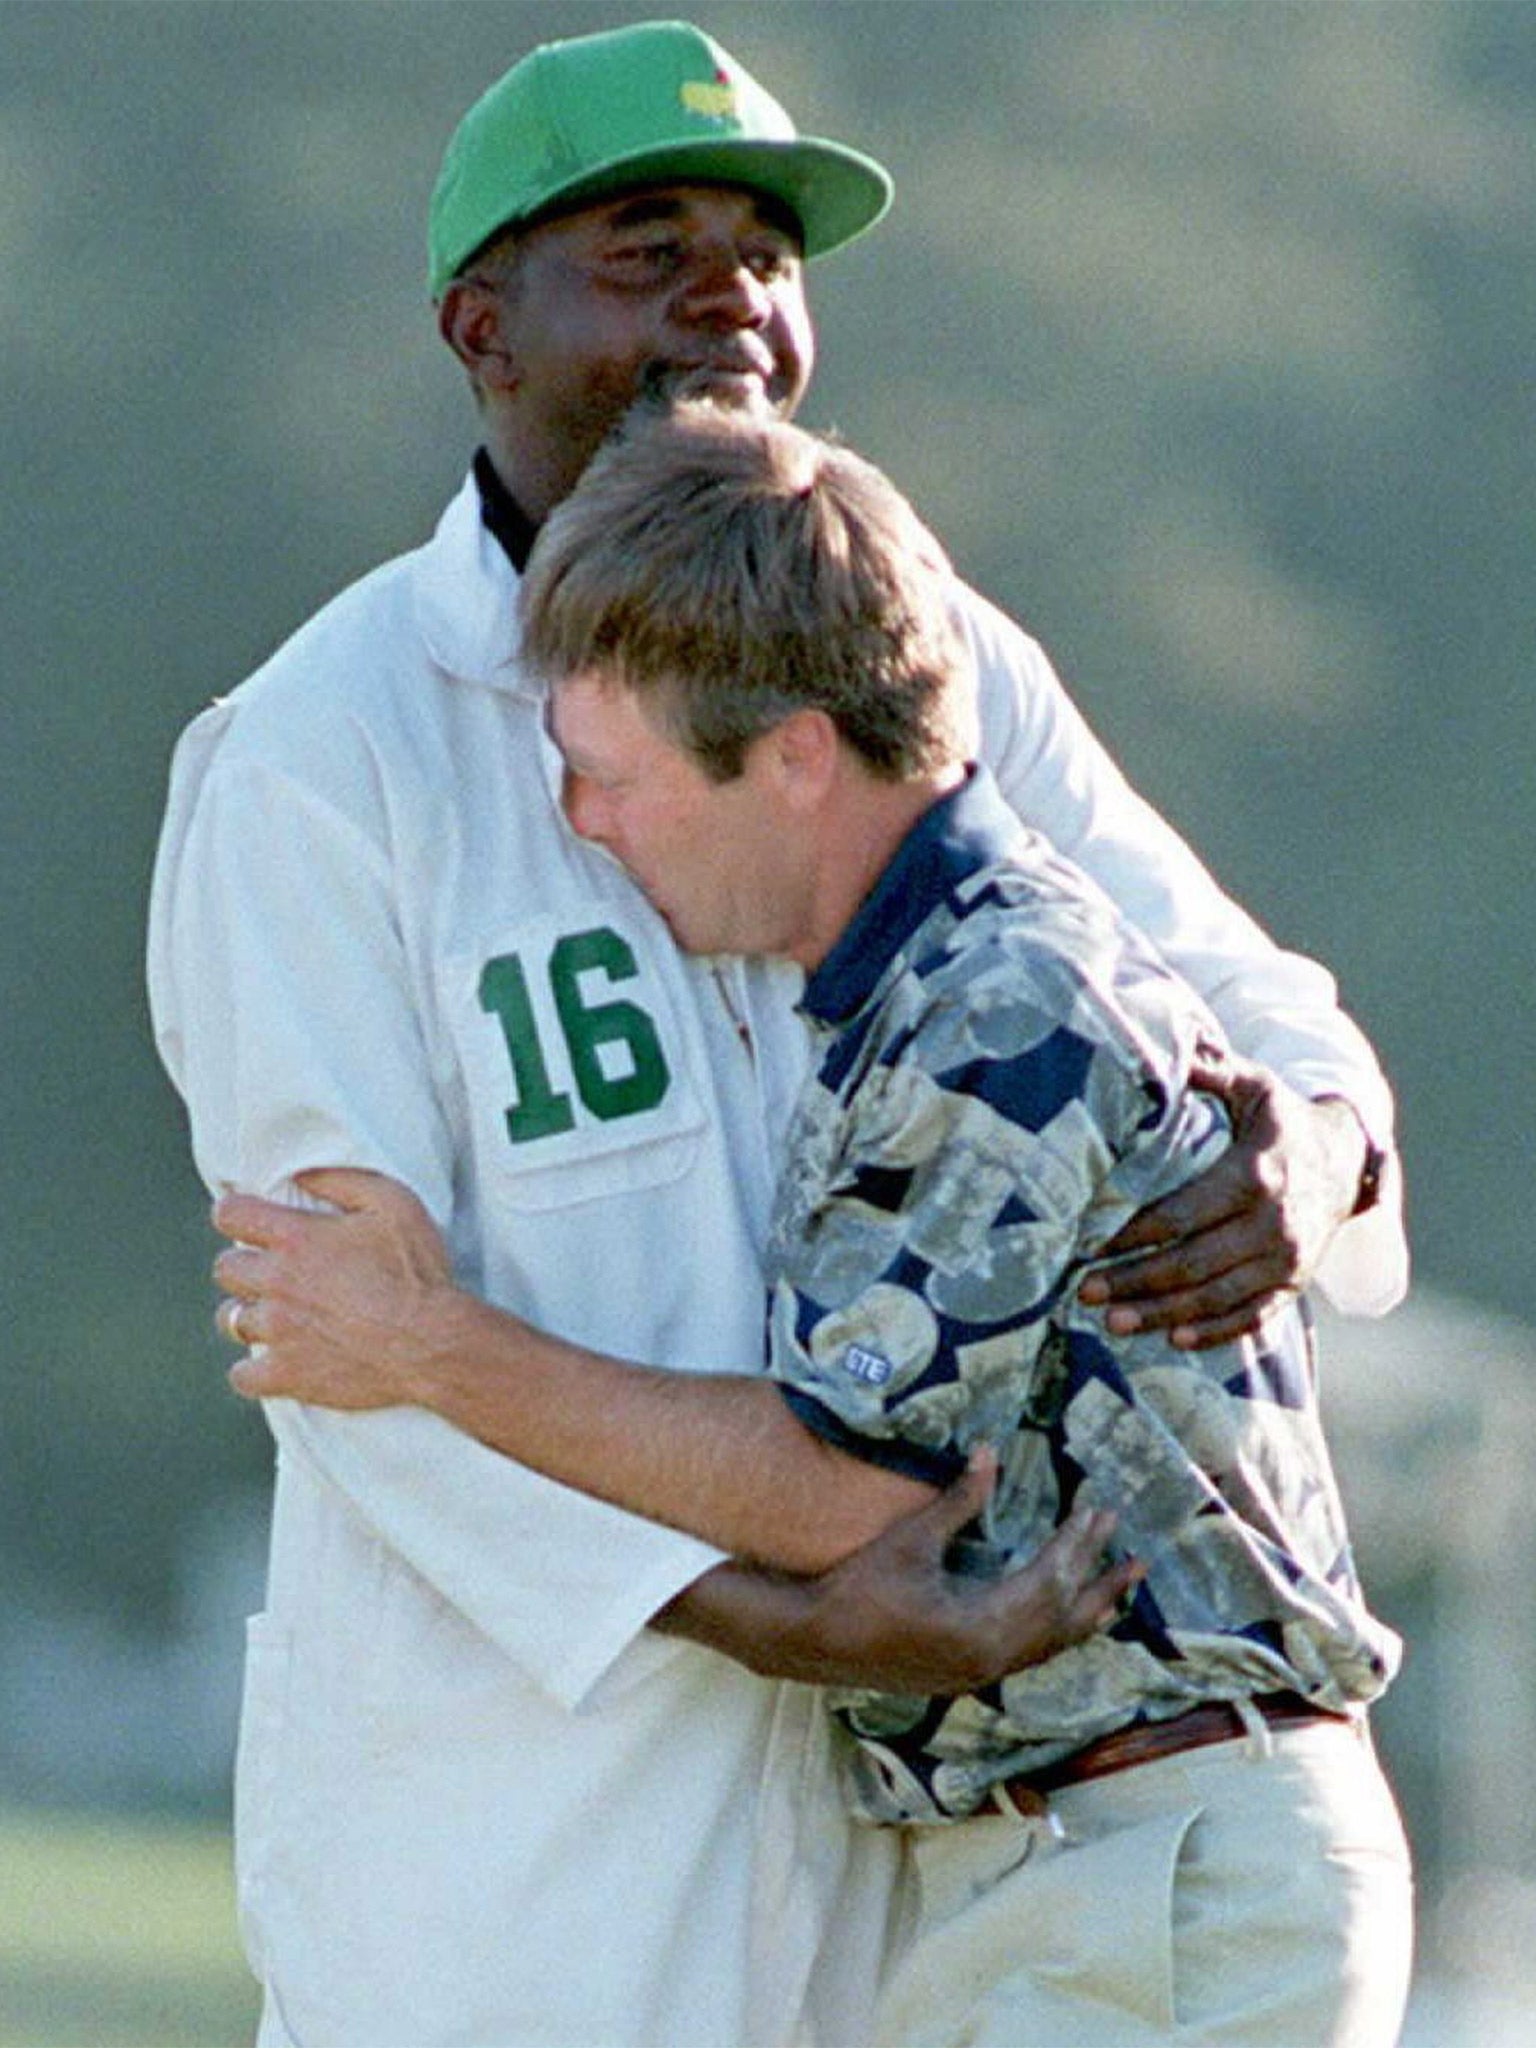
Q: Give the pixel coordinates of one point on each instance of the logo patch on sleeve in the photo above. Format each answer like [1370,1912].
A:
[867,1366]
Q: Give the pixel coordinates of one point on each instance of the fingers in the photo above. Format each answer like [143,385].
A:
[1075,1552]
[1210,1333]
[1213,1065]
[1211,1261]
[240,1269]
[1090,1591]
[237,1272]
[1221,1198]
[239,1321]
[1242,1194]
[1101,1600]
[1062,1595]
[254,1378]
[1212,1288]
[1241,1083]
[1083,1535]
[250,1219]
[1165,1295]
[1215,1311]
[353,1188]
[1241,1259]
[242,1316]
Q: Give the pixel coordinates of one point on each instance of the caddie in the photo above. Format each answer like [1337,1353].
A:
[488,1788]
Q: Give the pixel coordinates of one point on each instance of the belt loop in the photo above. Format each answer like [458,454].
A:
[1019,1802]
[1040,1819]
[1261,1743]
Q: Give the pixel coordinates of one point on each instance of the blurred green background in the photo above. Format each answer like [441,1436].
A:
[1204,332]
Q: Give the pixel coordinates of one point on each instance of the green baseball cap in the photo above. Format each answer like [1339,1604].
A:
[657,102]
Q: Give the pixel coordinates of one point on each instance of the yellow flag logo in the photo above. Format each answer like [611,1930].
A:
[714,98]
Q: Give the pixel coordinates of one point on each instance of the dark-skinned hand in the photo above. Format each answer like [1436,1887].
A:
[893,1616]
[1209,1262]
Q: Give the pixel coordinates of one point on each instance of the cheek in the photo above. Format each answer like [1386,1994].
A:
[796,342]
[588,376]
[642,836]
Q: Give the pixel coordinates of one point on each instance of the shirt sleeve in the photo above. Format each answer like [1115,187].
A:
[914,1301]
[282,998]
[1278,1007]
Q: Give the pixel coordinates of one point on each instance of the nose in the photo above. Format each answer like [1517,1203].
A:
[582,803]
[721,286]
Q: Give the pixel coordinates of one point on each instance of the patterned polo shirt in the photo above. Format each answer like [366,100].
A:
[1001,1082]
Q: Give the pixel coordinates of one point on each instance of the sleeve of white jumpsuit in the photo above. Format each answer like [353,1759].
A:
[281,994]
[1278,1007]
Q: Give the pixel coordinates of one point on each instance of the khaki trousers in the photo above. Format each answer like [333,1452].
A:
[1252,1894]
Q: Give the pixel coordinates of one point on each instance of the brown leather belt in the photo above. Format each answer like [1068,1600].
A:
[1216,1721]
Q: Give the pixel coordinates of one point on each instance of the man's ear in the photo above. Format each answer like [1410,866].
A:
[808,754]
[471,318]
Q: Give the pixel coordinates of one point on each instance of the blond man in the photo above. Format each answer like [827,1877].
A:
[1167,1826]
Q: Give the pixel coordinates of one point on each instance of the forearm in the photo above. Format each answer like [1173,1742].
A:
[355,1307]
[718,1455]
[819,1632]
[757,1617]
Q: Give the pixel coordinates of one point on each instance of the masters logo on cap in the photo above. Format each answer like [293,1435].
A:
[657,103]
[717,98]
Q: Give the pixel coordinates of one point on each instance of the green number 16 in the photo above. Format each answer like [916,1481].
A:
[542,1110]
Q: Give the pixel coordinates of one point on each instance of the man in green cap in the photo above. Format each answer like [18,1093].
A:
[489,1790]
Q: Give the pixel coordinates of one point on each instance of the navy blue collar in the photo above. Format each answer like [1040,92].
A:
[502,514]
[956,835]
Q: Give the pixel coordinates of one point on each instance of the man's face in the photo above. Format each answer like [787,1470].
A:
[718,860]
[671,288]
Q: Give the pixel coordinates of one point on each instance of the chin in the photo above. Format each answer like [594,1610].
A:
[735,390]
[700,944]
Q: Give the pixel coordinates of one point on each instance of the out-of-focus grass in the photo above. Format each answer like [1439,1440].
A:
[119,1933]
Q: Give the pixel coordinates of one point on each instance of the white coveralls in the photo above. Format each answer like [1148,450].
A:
[478,1805]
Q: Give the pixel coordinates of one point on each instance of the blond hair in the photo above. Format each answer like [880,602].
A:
[731,569]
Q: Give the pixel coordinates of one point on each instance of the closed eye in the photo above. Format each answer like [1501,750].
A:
[661,257]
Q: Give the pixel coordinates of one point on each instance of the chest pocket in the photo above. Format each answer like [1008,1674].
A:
[577,1064]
